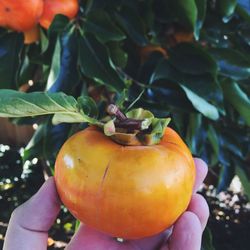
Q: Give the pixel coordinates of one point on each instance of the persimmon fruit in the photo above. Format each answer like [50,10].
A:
[125,191]
[22,16]
[68,8]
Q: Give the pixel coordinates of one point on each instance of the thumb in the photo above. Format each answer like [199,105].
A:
[29,223]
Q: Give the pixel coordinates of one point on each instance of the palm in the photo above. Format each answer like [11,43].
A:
[92,239]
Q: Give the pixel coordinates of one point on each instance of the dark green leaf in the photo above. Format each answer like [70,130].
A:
[201,8]
[244,33]
[118,56]
[231,63]
[244,178]
[227,171]
[207,240]
[64,75]
[194,124]
[193,59]
[132,24]
[243,13]
[58,24]
[184,11]
[26,71]
[10,49]
[88,106]
[214,142]
[95,62]
[55,65]
[165,71]
[168,96]
[100,24]
[227,7]
[238,99]
[44,41]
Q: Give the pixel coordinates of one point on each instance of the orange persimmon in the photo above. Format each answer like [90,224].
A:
[22,16]
[125,191]
[68,8]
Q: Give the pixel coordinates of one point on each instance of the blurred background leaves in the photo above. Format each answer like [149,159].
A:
[186,59]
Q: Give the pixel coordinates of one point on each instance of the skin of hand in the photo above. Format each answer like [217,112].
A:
[30,222]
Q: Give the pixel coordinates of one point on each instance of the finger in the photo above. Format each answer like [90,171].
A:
[199,206]
[31,221]
[186,234]
[201,172]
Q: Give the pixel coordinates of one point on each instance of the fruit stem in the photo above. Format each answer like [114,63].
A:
[129,124]
[122,121]
[114,110]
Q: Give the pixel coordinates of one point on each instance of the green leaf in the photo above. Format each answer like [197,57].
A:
[196,91]
[10,49]
[88,106]
[58,24]
[243,13]
[132,24]
[139,114]
[207,240]
[185,11]
[194,124]
[55,65]
[201,105]
[244,180]
[231,63]
[192,59]
[63,107]
[237,98]
[44,41]
[118,56]
[26,71]
[227,7]
[100,24]
[95,62]
[214,142]
[201,8]
[244,33]
[64,74]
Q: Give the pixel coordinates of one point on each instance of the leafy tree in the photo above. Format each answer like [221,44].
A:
[185,59]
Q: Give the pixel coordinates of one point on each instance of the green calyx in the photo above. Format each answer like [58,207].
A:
[136,127]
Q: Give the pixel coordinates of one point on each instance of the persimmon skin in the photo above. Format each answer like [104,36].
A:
[20,15]
[68,8]
[125,191]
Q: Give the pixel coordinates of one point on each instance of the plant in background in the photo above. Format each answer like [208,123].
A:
[185,59]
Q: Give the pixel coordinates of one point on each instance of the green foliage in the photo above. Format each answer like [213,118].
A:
[207,240]
[63,108]
[198,72]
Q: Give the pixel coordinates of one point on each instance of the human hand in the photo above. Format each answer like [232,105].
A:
[29,225]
